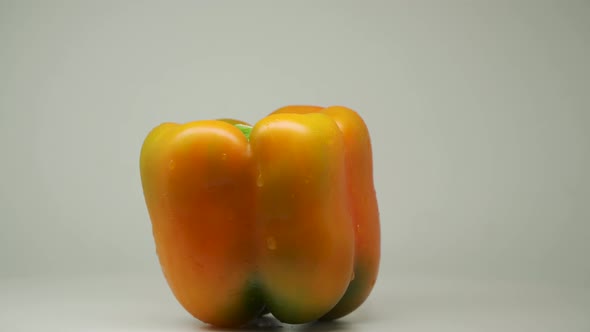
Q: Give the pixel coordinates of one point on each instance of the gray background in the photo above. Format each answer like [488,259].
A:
[479,113]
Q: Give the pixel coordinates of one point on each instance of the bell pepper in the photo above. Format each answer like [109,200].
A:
[279,217]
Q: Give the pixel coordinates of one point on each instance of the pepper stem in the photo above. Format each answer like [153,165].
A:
[245,129]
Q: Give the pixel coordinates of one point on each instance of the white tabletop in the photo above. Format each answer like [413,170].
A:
[126,303]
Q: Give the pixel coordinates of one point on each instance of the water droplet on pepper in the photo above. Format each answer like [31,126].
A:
[171,165]
[271,243]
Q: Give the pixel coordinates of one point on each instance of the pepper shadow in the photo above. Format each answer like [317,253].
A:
[268,323]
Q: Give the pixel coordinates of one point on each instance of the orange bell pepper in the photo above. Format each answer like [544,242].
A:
[281,217]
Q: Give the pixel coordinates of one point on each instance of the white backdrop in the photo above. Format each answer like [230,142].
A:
[479,114]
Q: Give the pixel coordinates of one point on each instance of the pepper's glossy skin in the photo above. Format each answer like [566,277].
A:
[285,222]
[362,203]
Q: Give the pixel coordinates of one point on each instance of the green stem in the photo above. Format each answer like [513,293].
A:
[245,129]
